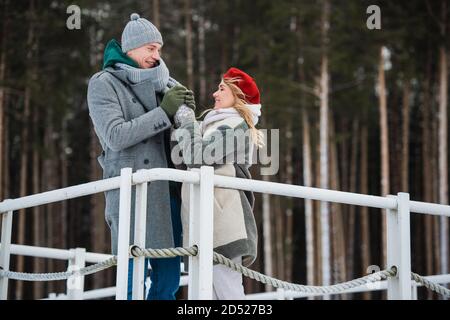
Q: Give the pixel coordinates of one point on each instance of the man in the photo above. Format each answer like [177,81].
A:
[132,102]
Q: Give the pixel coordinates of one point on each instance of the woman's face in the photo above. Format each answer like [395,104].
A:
[223,97]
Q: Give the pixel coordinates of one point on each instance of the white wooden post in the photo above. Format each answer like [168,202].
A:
[140,220]
[194,225]
[75,284]
[399,248]
[414,291]
[5,251]
[201,234]
[124,234]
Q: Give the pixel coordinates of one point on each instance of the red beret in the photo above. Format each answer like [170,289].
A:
[245,83]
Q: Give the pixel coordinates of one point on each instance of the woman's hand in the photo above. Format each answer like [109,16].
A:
[184,114]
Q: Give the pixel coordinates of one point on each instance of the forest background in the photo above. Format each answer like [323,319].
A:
[359,109]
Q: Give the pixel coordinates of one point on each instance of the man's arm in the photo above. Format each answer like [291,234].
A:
[107,116]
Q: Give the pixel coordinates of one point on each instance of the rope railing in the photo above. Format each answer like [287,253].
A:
[55,276]
[136,251]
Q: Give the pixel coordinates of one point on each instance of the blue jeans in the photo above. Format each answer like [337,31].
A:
[165,273]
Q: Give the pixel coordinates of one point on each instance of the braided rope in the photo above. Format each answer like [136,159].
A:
[430,285]
[59,275]
[336,288]
[136,251]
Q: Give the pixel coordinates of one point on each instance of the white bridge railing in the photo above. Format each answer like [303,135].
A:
[202,182]
[78,257]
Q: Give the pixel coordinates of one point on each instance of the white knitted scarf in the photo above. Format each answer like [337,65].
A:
[223,113]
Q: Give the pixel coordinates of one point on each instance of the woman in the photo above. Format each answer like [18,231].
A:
[225,139]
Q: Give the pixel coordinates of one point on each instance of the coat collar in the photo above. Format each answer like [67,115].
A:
[144,91]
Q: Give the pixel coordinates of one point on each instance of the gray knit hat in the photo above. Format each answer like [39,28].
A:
[138,32]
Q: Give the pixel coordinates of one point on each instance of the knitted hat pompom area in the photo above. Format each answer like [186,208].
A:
[138,32]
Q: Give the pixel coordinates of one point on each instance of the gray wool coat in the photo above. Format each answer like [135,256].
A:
[130,127]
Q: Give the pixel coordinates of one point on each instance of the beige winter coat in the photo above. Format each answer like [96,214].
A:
[235,232]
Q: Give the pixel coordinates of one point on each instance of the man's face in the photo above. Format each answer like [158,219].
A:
[146,56]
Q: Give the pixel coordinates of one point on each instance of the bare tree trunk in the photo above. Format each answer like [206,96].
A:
[37,218]
[289,205]
[226,30]
[324,89]
[339,250]
[201,53]
[99,242]
[317,223]
[405,136]
[267,239]
[427,171]
[308,174]
[4,33]
[351,212]
[57,235]
[365,228]
[279,237]
[64,150]
[23,188]
[343,164]
[155,18]
[384,148]
[48,184]
[309,218]
[5,179]
[189,52]
[288,202]
[443,140]
[443,156]
[21,231]
[436,180]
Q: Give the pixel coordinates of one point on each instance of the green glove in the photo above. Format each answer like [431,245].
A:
[190,100]
[173,98]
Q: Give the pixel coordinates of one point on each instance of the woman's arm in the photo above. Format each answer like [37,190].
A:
[225,145]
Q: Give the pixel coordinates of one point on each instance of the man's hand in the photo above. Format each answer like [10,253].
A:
[190,100]
[174,98]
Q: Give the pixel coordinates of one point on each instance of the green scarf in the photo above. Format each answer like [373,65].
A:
[113,54]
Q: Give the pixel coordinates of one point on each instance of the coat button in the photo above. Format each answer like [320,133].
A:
[146,161]
[134,100]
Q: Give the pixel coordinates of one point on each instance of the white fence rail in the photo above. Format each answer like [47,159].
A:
[202,182]
[90,257]
[80,257]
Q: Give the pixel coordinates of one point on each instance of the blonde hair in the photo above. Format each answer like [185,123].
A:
[240,106]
